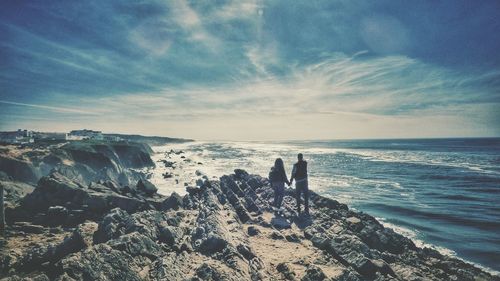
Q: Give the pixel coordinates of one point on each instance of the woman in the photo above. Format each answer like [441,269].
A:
[278,177]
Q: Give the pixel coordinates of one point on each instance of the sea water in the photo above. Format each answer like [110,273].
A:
[439,192]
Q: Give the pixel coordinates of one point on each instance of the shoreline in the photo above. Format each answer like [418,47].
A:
[222,228]
[407,232]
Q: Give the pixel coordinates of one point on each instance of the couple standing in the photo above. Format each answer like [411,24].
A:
[278,178]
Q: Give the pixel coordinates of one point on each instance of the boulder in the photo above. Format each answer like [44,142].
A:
[213,243]
[279,223]
[146,187]
[241,174]
[288,274]
[173,202]
[171,235]
[253,231]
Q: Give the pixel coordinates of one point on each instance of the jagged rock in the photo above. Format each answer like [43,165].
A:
[252,231]
[242,213]
[171,235]
[37,256]
[206,272]
[193,190]
[136,244]
[14,191]
[168,164]
[280,223]
[314,273]
[167,175]
[213,237]
[113,225]
[284,269]
[102,262]
[212,244]
[66,202]
[80,238]
[245,251]
[292,238]
[349,275]
[19,170]
[117,223]
[173,202]
[383,267]
[85,233]
[147,187]
[241,174]
[353,251]
[256,181]
[171,266]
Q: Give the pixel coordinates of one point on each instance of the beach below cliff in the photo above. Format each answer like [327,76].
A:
[99,226]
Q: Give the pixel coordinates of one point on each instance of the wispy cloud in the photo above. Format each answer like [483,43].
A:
[190,66]
[52,108]
[389,86]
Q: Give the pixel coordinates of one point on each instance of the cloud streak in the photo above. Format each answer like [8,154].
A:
[51,108]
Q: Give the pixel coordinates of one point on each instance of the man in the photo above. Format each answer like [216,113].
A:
[299,173]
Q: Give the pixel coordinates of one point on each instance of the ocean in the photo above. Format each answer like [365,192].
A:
[442,193]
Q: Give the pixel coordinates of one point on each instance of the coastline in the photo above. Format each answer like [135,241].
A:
[222,228]
[190,174]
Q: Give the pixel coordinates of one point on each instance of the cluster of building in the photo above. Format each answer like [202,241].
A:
[85,135]
[19,136]
[25,136]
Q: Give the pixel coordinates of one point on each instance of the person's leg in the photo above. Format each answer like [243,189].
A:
[275,188]
[297,196]
[306,197]
[280,196]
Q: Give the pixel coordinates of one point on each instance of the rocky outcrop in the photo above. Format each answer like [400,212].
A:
[14,191]
[222,230]
[19,169]
[85,161]
[99,155]
[58,200]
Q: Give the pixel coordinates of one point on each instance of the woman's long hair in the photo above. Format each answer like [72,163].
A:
[279,166]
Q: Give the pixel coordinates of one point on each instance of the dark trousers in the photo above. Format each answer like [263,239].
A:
[279,192]
[302,188]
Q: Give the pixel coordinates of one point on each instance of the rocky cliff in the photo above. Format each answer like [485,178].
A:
[223,230]
[86,161]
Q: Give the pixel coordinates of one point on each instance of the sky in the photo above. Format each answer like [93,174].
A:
[252,70]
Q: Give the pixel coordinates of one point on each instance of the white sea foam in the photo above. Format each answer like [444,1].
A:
[427,158]
[415,237]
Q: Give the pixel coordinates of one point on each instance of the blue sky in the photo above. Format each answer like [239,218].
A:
[252,69]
